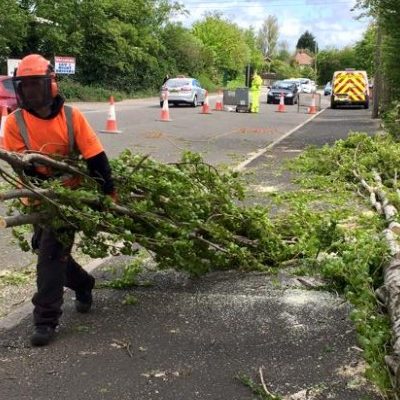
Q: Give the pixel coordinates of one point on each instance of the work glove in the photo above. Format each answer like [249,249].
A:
[114,196]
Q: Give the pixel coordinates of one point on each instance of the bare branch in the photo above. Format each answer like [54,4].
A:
[213,245]
[267,392]
[23,219]
[34,158]
[13,159]
[20,193]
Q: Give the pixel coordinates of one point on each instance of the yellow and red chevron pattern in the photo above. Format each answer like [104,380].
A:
[351,84]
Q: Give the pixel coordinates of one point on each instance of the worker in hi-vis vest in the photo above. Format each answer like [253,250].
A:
[42,123]
[255,91]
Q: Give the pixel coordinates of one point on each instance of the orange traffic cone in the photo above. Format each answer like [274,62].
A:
[312,109]
[206,106]
[281,106]
[165,109]
[4,114]
[218,104]
[111,125]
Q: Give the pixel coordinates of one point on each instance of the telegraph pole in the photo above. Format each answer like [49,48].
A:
[377,89]
[315,63]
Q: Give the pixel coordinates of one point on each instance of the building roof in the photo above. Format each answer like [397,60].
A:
[303,58]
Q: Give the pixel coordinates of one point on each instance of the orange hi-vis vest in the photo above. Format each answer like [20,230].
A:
[67,131]
[66,179]
[24,132]
[66,134]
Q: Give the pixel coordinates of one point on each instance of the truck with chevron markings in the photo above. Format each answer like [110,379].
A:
[350,87]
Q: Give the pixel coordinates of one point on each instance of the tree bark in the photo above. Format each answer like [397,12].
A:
[22,219]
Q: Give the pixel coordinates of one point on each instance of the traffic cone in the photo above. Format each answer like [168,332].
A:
[218,104]
[111,125]
[165,109]
[281,105]
[206,106]
[312,109]
[4,114]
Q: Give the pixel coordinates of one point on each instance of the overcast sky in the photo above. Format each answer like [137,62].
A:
[331,21]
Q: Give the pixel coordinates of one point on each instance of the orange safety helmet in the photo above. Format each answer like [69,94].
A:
[35,70]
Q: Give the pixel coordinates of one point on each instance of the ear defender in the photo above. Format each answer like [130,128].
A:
[54,86]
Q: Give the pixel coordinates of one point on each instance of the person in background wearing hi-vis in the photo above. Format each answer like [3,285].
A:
[44,124]
[255,92]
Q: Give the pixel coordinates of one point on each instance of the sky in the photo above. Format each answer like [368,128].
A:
[330,21]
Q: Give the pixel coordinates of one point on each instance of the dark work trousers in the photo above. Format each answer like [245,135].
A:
[55,269]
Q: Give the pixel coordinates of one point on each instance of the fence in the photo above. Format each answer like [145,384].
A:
[305,100]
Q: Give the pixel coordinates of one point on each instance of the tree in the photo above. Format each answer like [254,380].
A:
[13,28]
[284,70]
[365,50]
[51,28]
[307,42]
[226,42]
[256,56]
[121,43]
[283,53]
[332,59]
[117,43]
[268,36]
[184,53]
[387,44]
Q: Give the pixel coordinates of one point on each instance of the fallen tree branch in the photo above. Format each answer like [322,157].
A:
[20,193]
[213,245]
[186,214]
[389,293]
[23,219]
[372,192]
[13,159]
[388,209]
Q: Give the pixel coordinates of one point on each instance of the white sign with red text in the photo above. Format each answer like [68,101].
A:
[64,65]
[12,63]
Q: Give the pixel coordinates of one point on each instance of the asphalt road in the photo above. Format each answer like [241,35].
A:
[188,339]
[221,137]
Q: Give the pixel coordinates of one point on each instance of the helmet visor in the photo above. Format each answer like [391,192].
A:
[33,92]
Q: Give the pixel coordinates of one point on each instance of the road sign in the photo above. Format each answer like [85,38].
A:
[12,63]
[64,65]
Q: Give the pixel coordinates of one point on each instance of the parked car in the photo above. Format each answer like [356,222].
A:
[7,94]
[328,89]
[296,81]
[307,85]
[350,87]
[287,88]
[183,90]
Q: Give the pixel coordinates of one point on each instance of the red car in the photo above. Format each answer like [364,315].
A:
[7,94]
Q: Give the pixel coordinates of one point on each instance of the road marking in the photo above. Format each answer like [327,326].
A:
[260,152]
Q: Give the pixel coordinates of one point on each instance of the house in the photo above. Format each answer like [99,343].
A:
[303,59]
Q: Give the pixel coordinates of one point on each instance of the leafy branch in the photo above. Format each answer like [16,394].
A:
[186,214]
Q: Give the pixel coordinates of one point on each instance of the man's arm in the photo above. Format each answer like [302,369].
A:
[99,168]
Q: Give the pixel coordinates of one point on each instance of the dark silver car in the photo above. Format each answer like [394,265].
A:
[183,90]
[287,89]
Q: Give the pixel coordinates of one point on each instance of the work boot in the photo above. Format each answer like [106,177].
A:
[84,298]
[42,335]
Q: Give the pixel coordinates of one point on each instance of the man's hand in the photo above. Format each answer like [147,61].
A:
[114,196]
